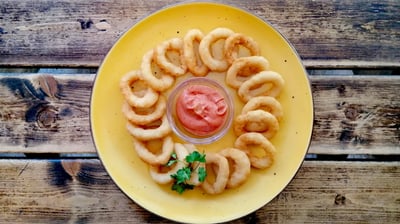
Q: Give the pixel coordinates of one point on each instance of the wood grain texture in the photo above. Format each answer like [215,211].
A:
[75,191]
[37,119]
[356,115]
[342,33]
[353,114]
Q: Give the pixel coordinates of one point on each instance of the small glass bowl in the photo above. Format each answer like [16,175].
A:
[176,125]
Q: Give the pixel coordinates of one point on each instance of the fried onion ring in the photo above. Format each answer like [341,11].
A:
[151,158]
[245,141]
[216,162]
[164,177]
[265,83]
[235,40]
[193,60]
[241,166]
[205,51]
[174,44]
[256,121]
[145,134]
[156,112]
[266,103]
[159,84]
[149,97]
[244,68]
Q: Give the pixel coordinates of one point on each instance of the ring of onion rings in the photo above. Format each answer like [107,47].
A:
[266,103]
[245,67]
[246,140]
[265,83]
[240,166]
[236,39]
[200,54]
[154,159]
[165,177]
[145,134]
[147,100]
[212,63]
[256,121]
[158,110]
[193,60]
[216,162]
[159,84]
[175,44]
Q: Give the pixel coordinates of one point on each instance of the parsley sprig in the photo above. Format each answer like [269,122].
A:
[183,175]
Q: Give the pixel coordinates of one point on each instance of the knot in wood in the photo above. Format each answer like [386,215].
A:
[46,118]
[351,112]
[342,90]
[340,199]
[85,24]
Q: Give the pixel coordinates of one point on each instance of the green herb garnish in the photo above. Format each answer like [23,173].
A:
[183,175]
[195,156]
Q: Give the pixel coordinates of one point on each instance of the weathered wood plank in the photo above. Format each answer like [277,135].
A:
[356,115]
[353,114]
[42,191]
[36,119]
[326,33]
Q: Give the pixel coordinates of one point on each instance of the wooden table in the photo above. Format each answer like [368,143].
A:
[49,54]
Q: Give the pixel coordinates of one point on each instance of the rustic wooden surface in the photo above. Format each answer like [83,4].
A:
[37,191]
[49,170]
[343,33]
[345,121]
[36,118]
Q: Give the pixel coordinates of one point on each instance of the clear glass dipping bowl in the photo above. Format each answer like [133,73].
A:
[176,125]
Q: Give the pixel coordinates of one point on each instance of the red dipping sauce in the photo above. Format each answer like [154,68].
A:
[201,109]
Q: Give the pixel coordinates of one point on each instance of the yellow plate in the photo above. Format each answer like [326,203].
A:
[114,144]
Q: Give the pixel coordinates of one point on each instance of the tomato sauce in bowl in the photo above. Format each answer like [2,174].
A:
[200,110]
